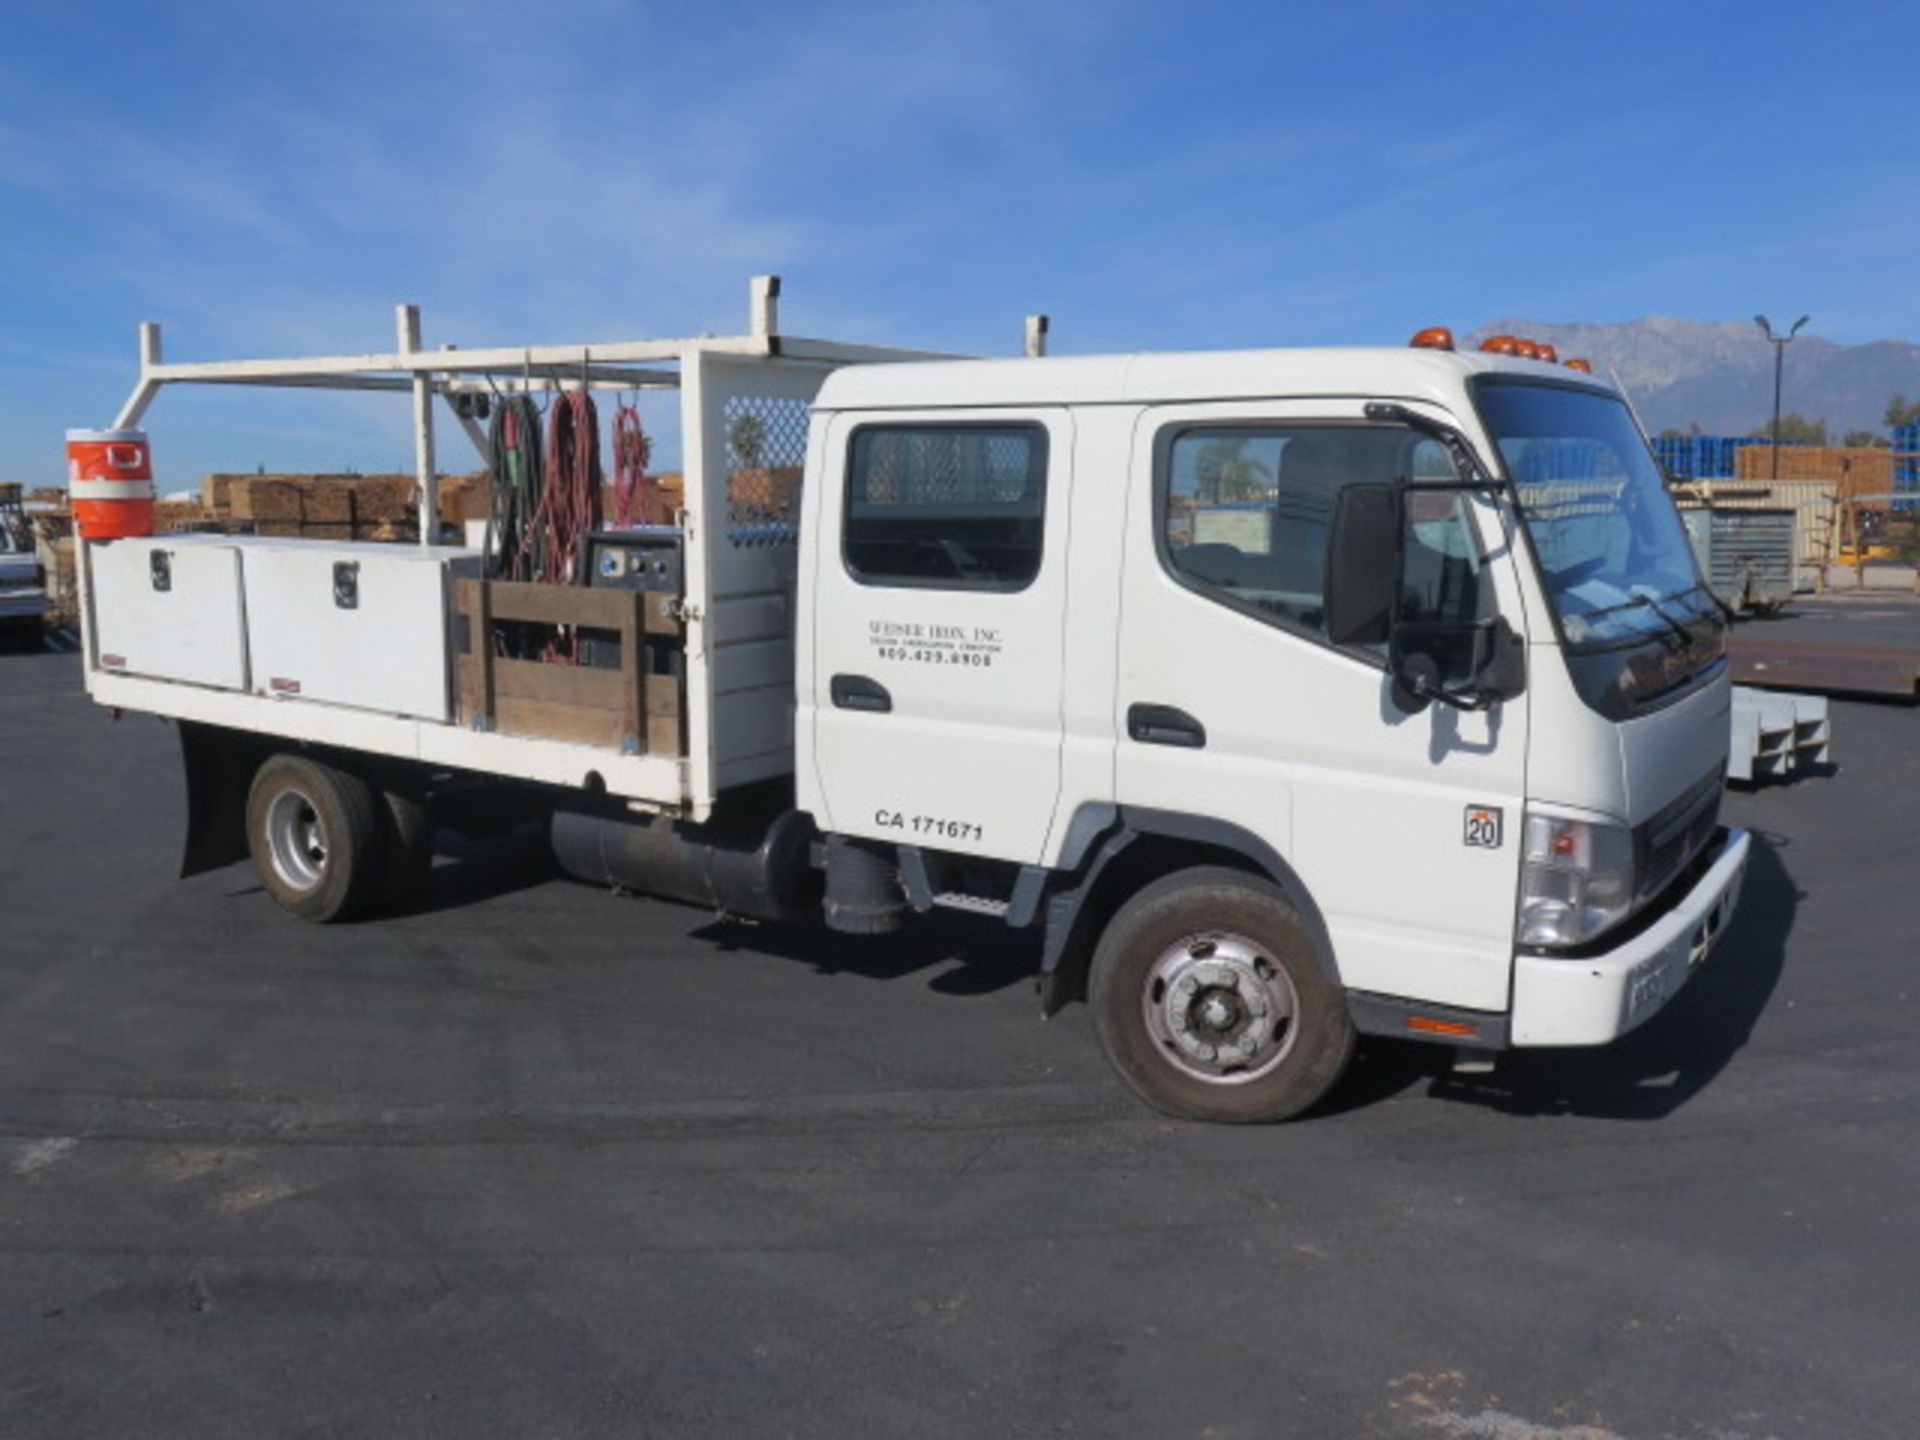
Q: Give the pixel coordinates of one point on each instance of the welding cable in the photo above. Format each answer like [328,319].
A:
[632,504]
[513,483]
[570,495]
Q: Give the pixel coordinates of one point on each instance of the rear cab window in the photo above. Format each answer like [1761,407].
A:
[951,506]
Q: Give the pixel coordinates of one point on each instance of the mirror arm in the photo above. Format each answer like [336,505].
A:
[1456,699]
[1490,636]
[1464,460]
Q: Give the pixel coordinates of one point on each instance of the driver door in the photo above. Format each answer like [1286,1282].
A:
[1404,827]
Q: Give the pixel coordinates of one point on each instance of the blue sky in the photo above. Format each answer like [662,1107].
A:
[269,178]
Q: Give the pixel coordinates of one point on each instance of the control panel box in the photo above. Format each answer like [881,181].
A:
[647,557]
[169,607]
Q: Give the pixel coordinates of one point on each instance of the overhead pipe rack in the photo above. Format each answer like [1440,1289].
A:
[451,372]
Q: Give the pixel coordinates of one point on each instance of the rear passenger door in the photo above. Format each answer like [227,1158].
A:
[939,590]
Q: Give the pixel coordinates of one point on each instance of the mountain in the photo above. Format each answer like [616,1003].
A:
[1719,375]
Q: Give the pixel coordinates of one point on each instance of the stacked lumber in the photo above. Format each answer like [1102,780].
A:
[1855,469]
[216,492]
[759,493]
[668,490]
[463,498]
[172,516]
[56,554]
[336,507]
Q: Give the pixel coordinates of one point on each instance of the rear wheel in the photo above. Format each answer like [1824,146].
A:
[315,834]
[1210,1002]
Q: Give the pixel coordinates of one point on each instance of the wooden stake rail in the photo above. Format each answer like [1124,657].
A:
[626,709]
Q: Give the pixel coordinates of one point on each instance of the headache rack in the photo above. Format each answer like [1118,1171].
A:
[682,684]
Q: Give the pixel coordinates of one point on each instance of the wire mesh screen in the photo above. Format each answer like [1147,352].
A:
[947,467]
[766,456]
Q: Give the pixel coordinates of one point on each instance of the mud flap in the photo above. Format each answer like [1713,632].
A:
[1072,930]
[219,766]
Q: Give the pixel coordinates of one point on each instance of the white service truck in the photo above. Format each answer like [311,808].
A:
[1291,694]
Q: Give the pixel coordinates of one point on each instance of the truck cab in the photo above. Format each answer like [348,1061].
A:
[1296,693]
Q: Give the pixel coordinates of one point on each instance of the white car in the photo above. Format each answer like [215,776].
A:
[23,589]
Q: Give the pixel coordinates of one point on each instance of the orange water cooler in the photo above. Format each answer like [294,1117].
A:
[110,479]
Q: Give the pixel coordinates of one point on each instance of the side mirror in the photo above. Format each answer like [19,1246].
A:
[1466,663]
[1486,661]
[1363,563]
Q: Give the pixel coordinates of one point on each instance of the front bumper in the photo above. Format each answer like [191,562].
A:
[1562,1000]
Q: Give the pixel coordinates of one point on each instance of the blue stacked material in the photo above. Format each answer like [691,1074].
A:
[1670,451]
[1906,463]
[1700,457]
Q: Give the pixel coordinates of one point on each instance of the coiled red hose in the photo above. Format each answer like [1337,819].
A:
[569,504]
[632,501]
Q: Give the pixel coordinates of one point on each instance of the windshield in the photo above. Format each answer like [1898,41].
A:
[1612,550]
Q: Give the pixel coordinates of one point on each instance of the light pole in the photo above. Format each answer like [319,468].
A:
[1780,343]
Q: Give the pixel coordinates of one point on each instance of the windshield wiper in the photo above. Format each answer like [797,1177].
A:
[1646,602]
[1683,635]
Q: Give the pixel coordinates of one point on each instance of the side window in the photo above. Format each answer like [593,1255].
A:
[1245,511]
[958,507]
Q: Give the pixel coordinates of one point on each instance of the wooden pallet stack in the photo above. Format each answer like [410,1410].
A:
[1855,469]
[336,507]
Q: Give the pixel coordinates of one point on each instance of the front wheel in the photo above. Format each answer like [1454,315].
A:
[315,834]
[1210,1002]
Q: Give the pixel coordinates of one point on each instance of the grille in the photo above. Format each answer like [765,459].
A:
[766,455]
[1663,845]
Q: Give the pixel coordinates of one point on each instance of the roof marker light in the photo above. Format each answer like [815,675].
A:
[1585,367]
[1547,352]
[1434,337]
[1500,345]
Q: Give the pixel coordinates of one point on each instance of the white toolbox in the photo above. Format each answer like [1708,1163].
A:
[170,607]
[363,625]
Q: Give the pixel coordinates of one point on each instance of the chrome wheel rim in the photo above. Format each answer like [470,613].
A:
[296,840]
[1220,1008]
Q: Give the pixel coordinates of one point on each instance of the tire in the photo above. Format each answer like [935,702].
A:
[1261,1033]
[315,835]
[407,835]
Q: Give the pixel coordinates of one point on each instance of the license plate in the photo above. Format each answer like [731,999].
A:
[1655,981]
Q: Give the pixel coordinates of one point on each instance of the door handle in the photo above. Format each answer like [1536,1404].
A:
[1165,725]
[857,692]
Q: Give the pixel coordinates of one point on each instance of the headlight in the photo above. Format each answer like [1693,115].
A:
[1576,879]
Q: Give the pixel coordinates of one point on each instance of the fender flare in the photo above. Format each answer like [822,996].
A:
[1105,832]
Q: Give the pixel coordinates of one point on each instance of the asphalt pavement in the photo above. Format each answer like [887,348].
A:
[534,1160]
